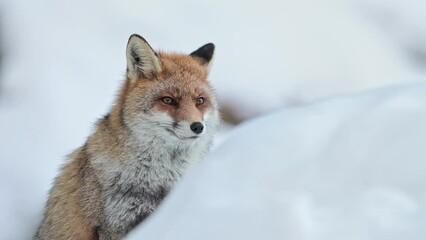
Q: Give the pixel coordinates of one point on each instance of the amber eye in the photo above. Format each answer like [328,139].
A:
[168,100]
[199,101]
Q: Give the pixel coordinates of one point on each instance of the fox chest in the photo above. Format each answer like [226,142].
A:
[136,190]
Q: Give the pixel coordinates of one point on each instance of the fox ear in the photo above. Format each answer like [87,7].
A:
[204,55]
[141,59]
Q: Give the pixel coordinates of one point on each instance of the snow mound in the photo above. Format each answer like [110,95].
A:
[345,168]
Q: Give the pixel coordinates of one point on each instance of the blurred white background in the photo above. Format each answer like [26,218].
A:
[62,63]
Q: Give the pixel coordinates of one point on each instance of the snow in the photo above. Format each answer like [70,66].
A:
[64,61]
[345,168]
[402,20]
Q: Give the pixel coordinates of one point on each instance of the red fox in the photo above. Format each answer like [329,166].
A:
[162,121]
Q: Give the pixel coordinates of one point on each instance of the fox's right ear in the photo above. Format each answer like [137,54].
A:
[141,59]
[204,55]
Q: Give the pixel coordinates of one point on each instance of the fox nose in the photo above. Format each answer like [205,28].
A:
[197,127]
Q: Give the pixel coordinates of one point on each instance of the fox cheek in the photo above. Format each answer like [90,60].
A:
[203,107]
[164,108]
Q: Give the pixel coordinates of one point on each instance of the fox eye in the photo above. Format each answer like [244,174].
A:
[168,100]
[199,101]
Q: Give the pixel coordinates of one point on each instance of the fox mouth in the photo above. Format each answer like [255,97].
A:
[180,137]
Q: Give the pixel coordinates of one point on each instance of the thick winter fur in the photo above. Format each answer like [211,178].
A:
[138,151]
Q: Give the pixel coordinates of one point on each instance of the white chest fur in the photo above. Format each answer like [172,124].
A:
[134,185]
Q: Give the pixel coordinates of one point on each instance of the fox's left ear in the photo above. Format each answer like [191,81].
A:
[204,55]
[141,59]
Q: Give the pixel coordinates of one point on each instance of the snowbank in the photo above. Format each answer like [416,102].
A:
[345,168]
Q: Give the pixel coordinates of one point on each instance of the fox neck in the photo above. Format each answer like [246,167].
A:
[117,111]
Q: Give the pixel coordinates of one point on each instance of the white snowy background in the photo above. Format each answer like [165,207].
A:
[331,95]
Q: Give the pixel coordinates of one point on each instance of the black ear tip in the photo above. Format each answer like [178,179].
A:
[205,52]
[134,35]
[209,46]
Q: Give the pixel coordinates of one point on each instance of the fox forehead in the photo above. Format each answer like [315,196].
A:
[179,65]
[181,76]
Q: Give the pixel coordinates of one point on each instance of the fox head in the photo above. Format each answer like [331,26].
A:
[168,96]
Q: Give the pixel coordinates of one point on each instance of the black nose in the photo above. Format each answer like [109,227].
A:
[197,127]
